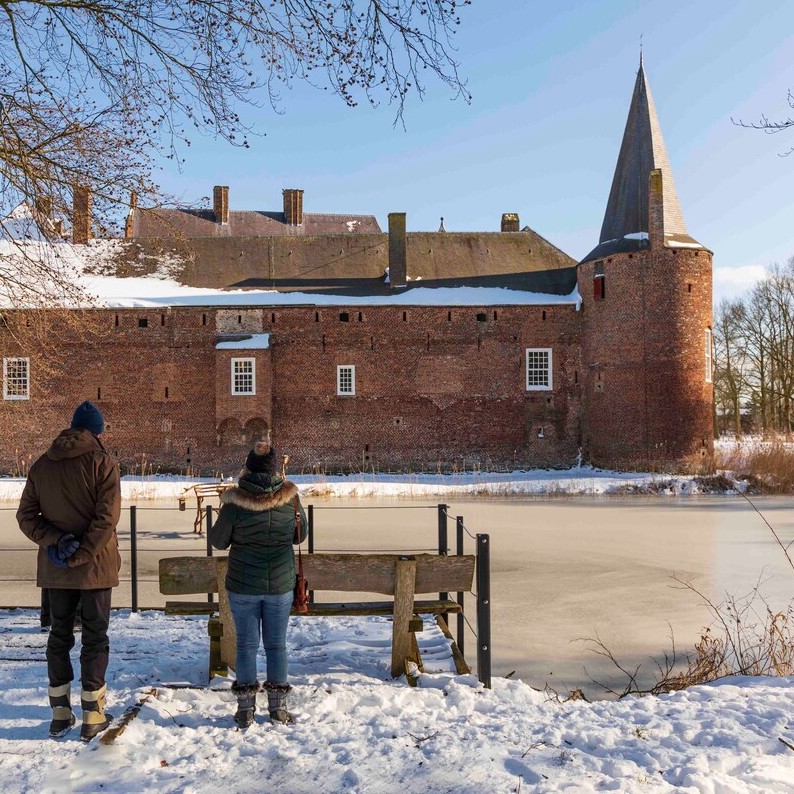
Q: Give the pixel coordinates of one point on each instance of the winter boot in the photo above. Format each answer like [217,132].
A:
[63,718]
[277,702]
[246,703]
[95,719]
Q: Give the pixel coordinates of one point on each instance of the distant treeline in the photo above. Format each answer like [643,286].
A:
[754,357]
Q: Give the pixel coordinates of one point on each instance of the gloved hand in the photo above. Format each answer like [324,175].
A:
[67,546]
[55,558]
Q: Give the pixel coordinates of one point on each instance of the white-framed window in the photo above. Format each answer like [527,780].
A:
[243,376]
[346,379]
[539,369]
[709,356]
[16,378]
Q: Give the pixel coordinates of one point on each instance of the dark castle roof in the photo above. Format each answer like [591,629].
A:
[355,264]
[330,253]
[189,223]
[641,151]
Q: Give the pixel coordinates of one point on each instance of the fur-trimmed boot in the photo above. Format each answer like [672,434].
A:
[277,702]
[246,703]
[95,719]
[63,718]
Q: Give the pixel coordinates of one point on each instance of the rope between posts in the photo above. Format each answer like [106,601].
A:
[185,551]
[374,507]
[473,537]
[375,551]
[466,621]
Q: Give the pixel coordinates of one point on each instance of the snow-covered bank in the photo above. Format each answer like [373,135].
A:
[577,481]
[359,731]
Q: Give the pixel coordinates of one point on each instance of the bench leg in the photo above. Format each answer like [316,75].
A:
[215,630]
[404,587]
[461,666]
[228,648]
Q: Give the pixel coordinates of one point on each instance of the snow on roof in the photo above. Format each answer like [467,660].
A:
[85,264]
[21,224]
[250,342]
[143,292]
[681,244]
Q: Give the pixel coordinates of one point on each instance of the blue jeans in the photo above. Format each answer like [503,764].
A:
[270,613]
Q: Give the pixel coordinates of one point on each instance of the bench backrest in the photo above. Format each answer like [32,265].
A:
[188,575]
[365,573]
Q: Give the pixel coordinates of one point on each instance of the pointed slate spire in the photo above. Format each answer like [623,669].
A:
[641,151]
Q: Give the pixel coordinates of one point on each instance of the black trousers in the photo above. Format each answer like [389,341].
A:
[45,607]
[95,609]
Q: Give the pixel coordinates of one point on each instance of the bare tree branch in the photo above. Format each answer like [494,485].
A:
[771,127]
[93,91]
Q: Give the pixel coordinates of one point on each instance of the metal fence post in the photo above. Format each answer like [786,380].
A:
[210,596]
[134,556]
[310,538]
[209,527]
[459,549]
[442,538]
[484,610]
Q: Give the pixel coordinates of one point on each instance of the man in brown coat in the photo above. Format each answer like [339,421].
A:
[70,507]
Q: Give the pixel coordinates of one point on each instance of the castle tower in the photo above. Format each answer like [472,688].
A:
[646,324]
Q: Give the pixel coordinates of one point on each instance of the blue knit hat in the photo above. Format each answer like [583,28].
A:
[88,417]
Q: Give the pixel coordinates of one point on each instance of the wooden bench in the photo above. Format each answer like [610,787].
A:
[401,577]
[202,491]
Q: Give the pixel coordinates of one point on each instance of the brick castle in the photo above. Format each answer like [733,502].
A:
[390,350]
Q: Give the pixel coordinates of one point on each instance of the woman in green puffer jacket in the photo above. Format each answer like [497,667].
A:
[256,523]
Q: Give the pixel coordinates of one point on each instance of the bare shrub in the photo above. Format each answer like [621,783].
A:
[766,467]
[746,637]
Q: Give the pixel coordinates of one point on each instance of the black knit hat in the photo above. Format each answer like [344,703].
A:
[88,417]
[262,459]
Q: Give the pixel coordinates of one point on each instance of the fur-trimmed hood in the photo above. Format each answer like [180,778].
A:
[260,502]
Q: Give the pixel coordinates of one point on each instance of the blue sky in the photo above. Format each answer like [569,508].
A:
[550,85]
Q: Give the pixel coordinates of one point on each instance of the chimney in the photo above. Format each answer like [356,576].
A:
[398,269]
[656,209]
[220,204]
[44,207]
[81,215]
[293,206]
[510,222]
[128,225]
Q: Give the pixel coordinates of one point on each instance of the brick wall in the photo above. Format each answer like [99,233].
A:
[151,372]
[646,400]
[435,387]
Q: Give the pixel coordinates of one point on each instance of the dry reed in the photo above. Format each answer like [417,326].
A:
[766,467]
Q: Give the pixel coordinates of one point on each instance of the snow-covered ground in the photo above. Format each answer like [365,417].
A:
[576,481]
[357,730]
